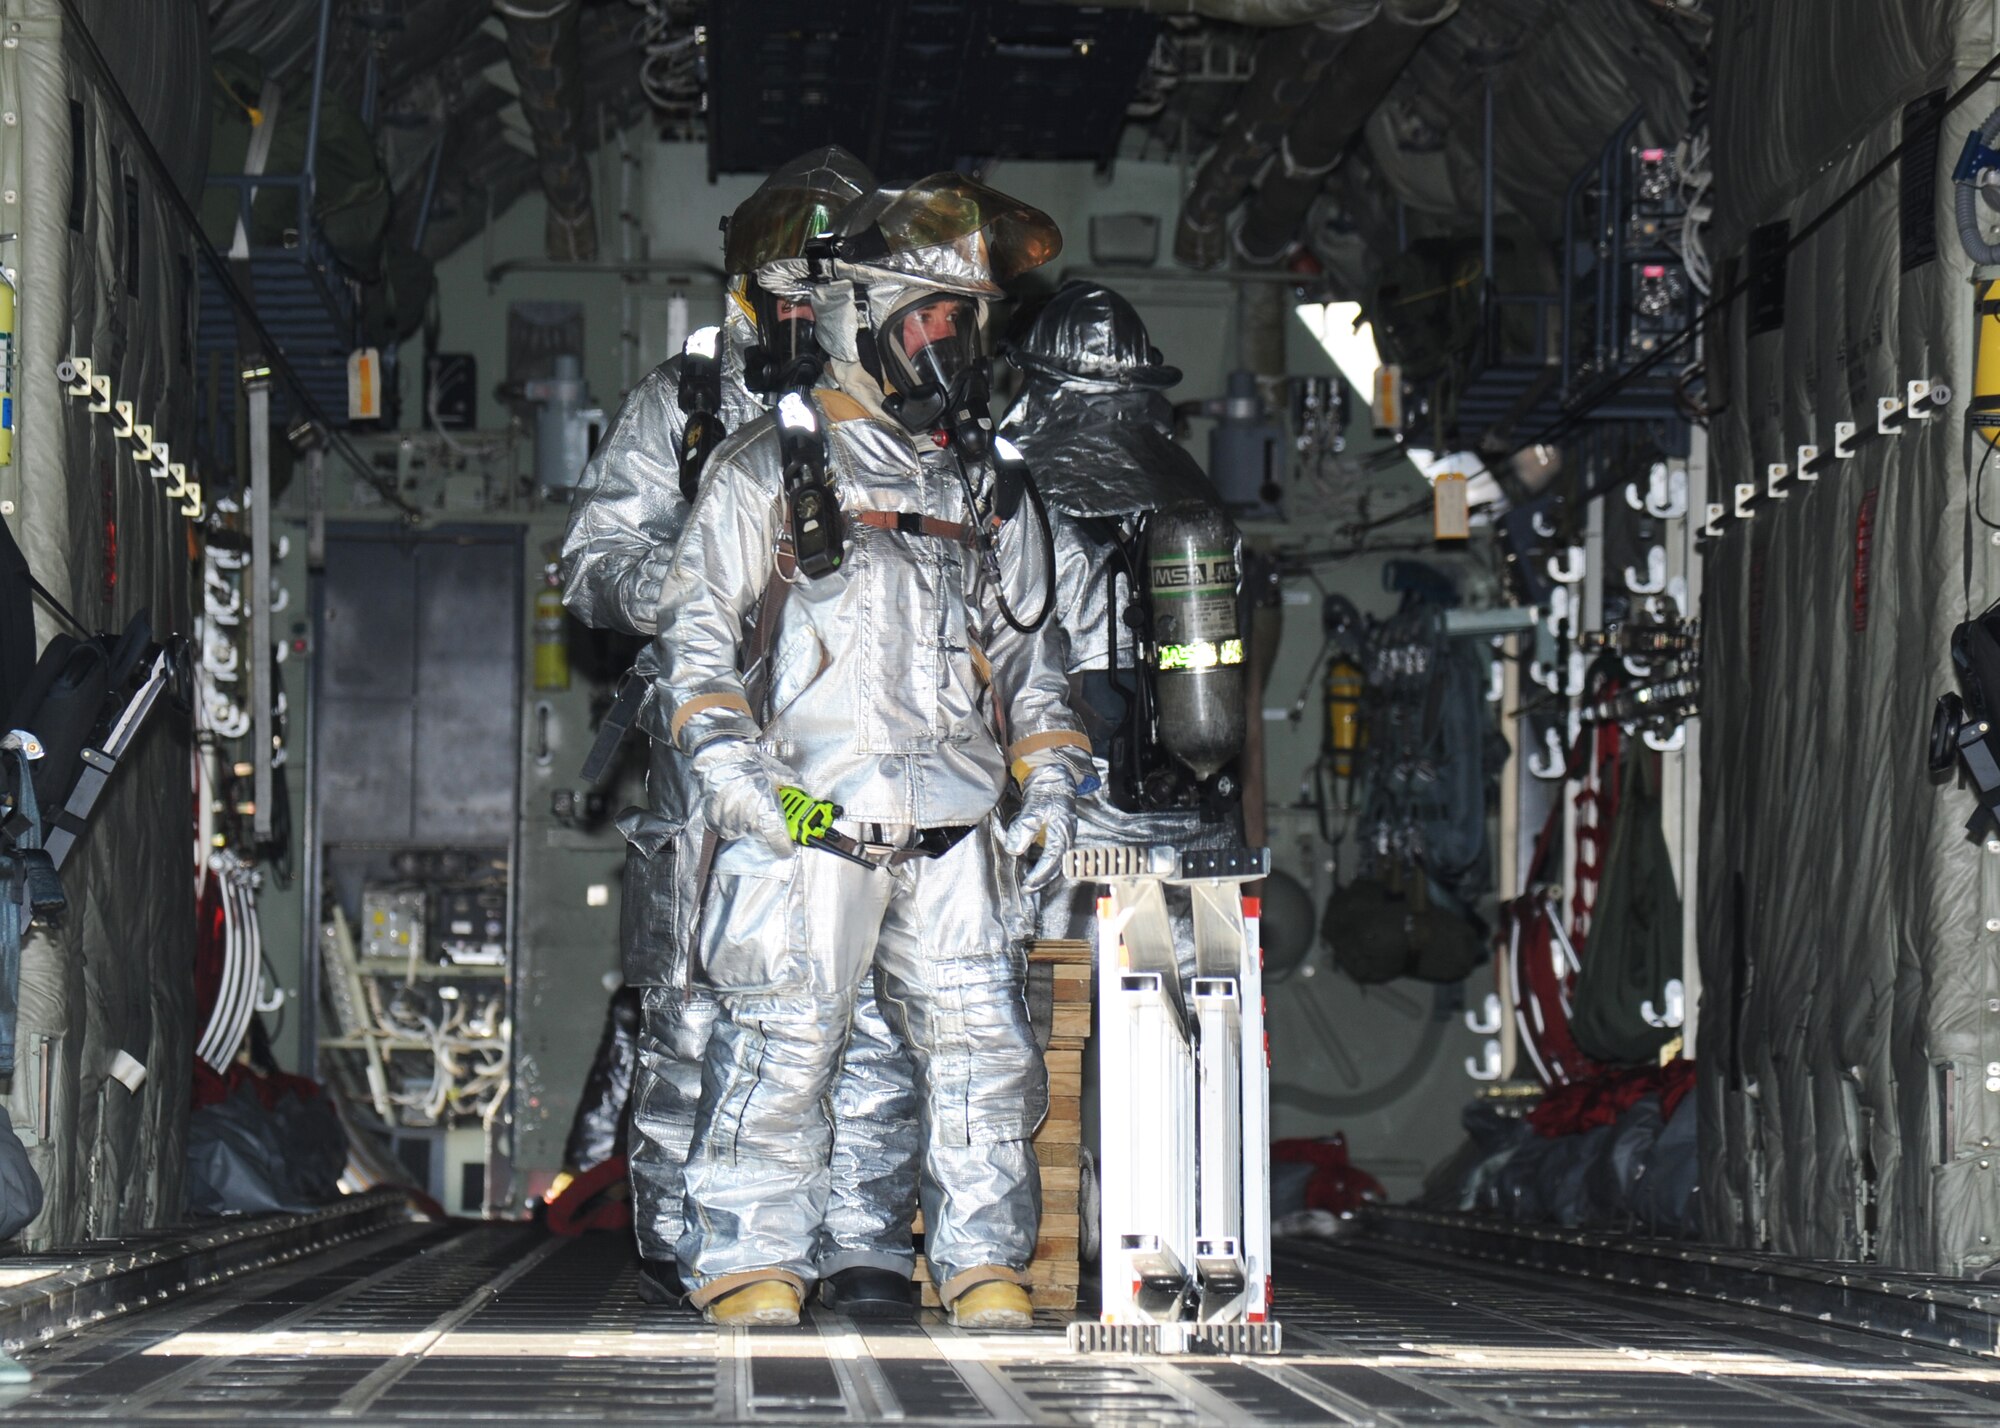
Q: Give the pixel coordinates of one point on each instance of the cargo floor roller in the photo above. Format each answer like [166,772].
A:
[1184,1079]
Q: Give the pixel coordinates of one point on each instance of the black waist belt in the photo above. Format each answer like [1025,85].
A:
[927,843]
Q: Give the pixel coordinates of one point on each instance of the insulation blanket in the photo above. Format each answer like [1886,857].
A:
[1850,990]
[1575,70]
[106,272]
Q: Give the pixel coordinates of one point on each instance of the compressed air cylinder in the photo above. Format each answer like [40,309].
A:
[1191,582]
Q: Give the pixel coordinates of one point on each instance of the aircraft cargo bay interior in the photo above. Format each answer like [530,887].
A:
[1000,711]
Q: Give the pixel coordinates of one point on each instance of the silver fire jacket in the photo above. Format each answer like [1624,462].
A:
[626,514]
[888,675]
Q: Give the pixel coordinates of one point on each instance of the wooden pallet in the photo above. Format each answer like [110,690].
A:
[1055,1271]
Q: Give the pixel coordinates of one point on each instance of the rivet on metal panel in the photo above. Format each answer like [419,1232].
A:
[1985,1165]
[9,118]
[1993,1083]
[12,43]
[9,196]
[6,508]
[1993,1004]
[1993,1068]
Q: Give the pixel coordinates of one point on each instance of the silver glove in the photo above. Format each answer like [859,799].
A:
[739,789]
[1048,813]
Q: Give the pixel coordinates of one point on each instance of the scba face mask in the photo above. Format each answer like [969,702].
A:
[931,348]
[787,354]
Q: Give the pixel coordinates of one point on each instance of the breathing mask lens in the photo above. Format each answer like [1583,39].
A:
[929,343]
[784,336]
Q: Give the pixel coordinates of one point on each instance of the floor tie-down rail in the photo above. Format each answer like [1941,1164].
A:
[1184,1073]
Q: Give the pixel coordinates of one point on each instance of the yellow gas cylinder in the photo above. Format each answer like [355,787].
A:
[1984,411]
[1343,713]
[551,635]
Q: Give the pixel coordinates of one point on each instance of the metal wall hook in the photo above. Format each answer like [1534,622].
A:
[1675,996]
[1487,1066]
[1568,569]
[1667,498]
[1655,578]
[1485,1021]
[1561,609]
[1552,762]
[1666,743]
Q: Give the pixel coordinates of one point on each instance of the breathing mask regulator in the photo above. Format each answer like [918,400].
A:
[786,356]
[1966,731]
[923,344]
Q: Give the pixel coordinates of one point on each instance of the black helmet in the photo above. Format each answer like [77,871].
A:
[1088,333]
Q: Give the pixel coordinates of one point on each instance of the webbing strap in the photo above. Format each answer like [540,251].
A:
[912,523]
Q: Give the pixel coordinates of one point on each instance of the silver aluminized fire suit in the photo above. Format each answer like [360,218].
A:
[1098,435]
[887,675]
[625,521]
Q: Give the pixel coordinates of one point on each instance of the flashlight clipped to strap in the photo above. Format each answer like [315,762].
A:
[810,822]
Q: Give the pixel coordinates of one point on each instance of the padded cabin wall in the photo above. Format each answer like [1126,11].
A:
[1842,909]
[104,273]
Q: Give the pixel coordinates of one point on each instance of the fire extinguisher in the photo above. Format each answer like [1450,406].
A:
[551,633]
[1343,724]
[1346,632]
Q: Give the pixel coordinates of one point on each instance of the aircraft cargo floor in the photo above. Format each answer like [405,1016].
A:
[472,1323]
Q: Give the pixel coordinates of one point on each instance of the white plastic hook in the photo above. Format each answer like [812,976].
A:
[1667,494]
[1544,527]
[1567,570]
[1666,743]
[1637,668]
[1487,1066]
[1496,682]
[122,425]
[1843,436]
[1655,578]
[1551,763]
[1675,996]
[1561,608]
[1485,1021]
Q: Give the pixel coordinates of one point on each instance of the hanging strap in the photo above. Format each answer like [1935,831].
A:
[912,523]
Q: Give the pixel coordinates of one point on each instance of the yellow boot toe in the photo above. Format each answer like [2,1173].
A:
[767,1302]
[996,1304]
